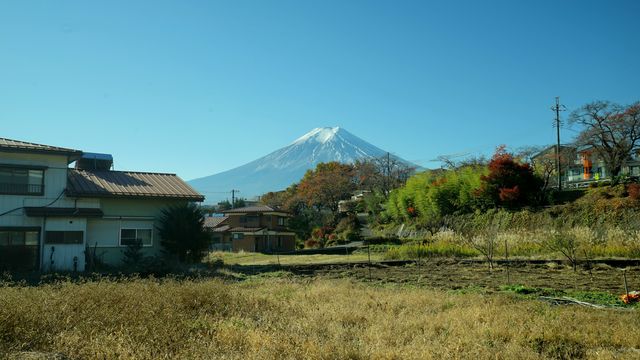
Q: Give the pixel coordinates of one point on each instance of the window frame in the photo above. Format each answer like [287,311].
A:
[24,230]
[48,242]
[136,229]
[13,168]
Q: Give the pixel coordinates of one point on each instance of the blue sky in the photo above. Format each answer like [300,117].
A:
[198,87]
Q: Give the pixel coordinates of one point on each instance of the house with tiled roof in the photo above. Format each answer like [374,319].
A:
[258,228]
[54,217]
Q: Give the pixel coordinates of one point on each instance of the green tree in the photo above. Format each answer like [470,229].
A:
[224,205]
[430,195]
[182,232]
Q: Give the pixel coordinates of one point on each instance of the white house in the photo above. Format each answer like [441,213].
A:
[52,215]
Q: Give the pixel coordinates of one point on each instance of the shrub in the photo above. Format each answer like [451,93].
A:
[311,244]
[436,249]
[634,191]
[509,182]
[182,233]
[133,253]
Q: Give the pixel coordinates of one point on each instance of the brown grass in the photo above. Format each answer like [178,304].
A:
[293,318]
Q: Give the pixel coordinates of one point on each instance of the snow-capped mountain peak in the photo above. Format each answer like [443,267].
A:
[321,135]
[283,167]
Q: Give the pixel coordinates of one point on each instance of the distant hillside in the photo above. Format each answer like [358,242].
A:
[286,166]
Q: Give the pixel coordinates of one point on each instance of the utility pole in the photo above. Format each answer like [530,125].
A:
[233,198]
[388,175]
[557,108]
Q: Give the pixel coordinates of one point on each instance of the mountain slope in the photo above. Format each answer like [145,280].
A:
[286,166]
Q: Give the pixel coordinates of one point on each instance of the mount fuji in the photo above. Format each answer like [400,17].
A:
[288,165]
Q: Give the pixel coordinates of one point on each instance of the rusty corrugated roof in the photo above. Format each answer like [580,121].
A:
[23,146]
[106,183]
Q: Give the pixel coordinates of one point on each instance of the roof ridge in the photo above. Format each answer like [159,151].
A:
[23,143]
[126,171]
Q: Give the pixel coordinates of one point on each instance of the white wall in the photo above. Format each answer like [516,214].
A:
[62,258]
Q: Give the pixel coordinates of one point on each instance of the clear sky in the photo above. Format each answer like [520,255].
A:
[198,87]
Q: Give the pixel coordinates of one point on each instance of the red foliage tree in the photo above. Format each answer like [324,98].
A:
[509,182]
[634,191]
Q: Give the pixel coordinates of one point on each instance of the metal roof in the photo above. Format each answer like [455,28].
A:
[23,146]
[106,183]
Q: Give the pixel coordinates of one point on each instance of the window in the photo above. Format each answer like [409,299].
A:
[64,237]
[19,249]
[238,236]
[19,237]
[282,221]
[20,181]
[131,236]
[249,219]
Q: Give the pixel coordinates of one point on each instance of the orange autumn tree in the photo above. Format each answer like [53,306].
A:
[328,183]
[509,182]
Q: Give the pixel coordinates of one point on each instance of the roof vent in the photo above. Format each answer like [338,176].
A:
[94,161]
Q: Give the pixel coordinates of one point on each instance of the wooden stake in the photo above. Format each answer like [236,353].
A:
[506,257]
[369,254]
[626,287]
[419,261]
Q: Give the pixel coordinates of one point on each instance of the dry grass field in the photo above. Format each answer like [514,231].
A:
[246,258]
[290,317]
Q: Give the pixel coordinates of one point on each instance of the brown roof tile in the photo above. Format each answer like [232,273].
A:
[222,228]
[105,183]
[214,221]
[245,229]
[249,209]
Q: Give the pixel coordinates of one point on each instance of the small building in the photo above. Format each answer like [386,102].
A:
[57,218]
[219,230]
[253,229]
[580,166]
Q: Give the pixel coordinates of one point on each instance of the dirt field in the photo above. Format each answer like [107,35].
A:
[451,274]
